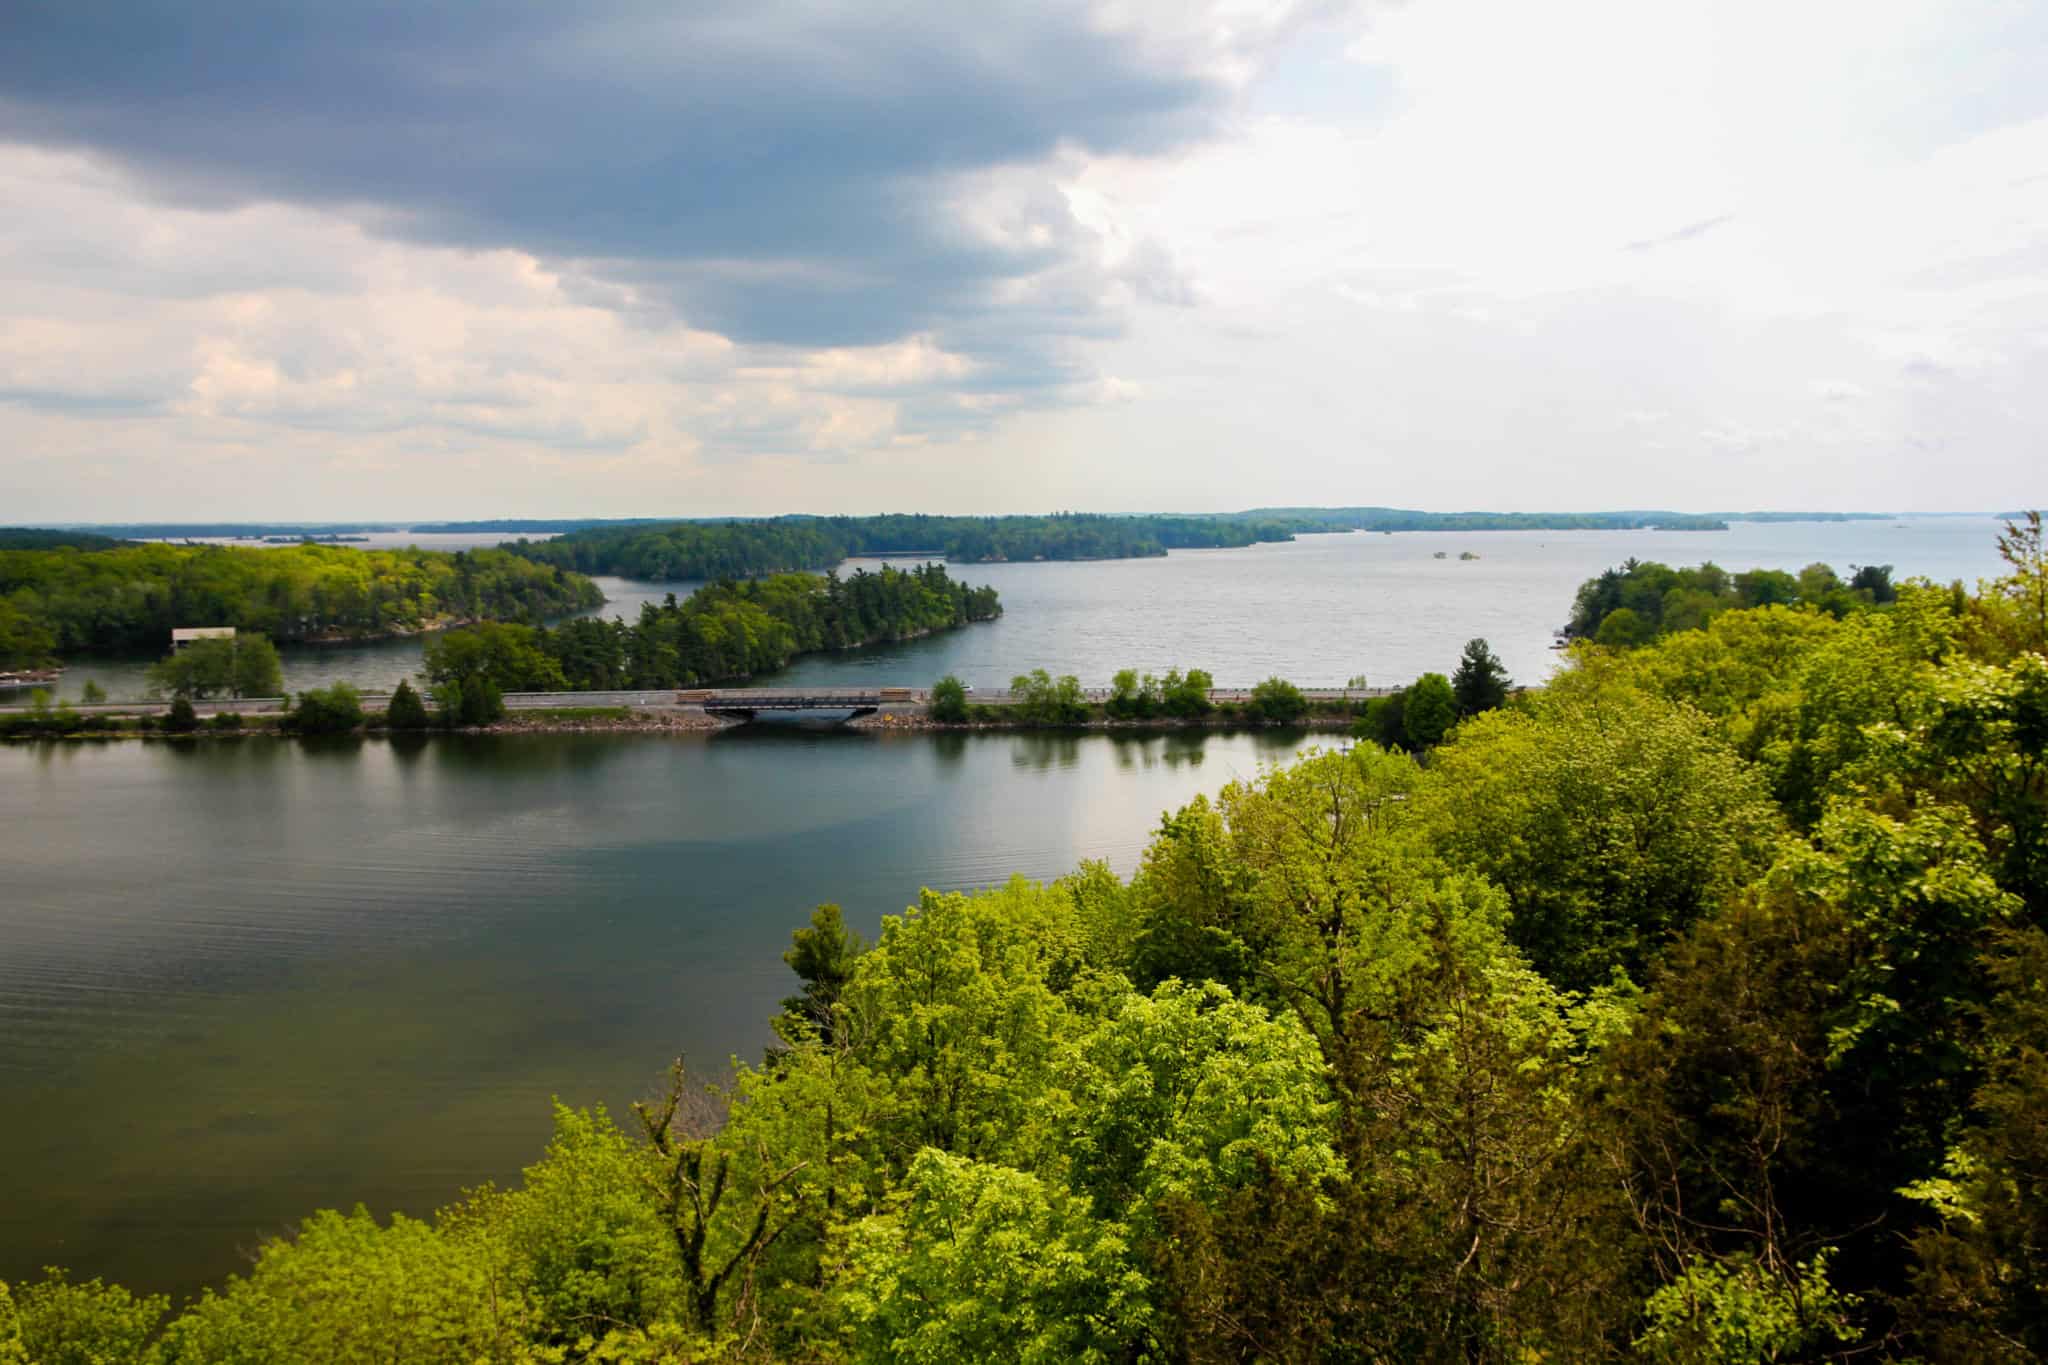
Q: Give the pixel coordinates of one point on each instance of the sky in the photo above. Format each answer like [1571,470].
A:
[655,257]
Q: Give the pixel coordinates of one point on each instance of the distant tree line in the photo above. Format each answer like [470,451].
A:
[37,538]
[1402,519]
[746,548]
[62,601]
[1642,600]
[725,630]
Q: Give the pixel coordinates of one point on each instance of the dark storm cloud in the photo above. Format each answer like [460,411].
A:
[776,173]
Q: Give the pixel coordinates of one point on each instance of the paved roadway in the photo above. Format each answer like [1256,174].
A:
[665,699]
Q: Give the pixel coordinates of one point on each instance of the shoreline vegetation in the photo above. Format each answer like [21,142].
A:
[1687,1009]
[63,600]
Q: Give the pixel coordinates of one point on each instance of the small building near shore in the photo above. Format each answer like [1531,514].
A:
[185,635]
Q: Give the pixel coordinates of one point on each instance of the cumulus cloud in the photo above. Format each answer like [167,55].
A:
[721,257]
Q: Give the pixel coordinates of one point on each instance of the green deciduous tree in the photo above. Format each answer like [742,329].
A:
[508,657]
[1429,709]
[66,1322]
[949,700]
[328,710]
[1185,694]
[956,1007]
[241,666]
[257,671]
[1623,628]
[989,1263]
[1043,700]
[1611,819]
[1277,702]
[347,1290]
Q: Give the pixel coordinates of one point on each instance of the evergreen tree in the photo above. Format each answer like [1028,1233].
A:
[406,711]
[1481,682]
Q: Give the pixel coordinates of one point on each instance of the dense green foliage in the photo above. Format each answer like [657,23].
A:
[1643,600]
[60,601]
[37,538]
[1277,702]
[1041,699]
[1178,694]
[326,710]
[405,710]
[723,630]
[1692,1009]
[26,641]
[245,666]
[739,548]
[949,700]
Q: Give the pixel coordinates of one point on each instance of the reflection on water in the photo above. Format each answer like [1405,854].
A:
[241,979]
[1044,750]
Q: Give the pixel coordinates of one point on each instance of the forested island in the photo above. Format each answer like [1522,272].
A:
[1690,1009]
[71,599]
[1642,600]
[712,549]
[726,630]
[742,548]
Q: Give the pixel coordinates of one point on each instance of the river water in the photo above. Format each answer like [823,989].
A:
[243,979]
[1318,610]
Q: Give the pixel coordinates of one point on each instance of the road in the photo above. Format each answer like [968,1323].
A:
[667,699]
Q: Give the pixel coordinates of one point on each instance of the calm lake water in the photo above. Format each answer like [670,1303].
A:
[1317,610]
[240,980]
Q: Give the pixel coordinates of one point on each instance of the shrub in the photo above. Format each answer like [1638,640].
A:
[1044,700]
[1185,695]
[330,711]
[1277,702]
[1132,698]
[182,719]
[949,700]
[228,721]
